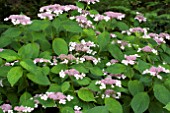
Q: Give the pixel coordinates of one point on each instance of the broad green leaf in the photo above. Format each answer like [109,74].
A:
[141,66]
[116,69]
[135,87]
[12,97]
[167,106]
[85,81]
[60,46]
[14,75]
[80,5]
[67,110]
[156,107]
[39,78]
[96,71]
[97,109]
[4,71]
[4,41]
[65,86]
[12,32]
[71,26]
[38,36]
[161,93]
[39,25]
[129,72]
[115,52]
[30,50]
[113,105]
[28,65]
[80,67]
[24,97]
[44,44]
[54,88]
[1,111]
[9,55]
[92,86]
[140,102]
[56,69]
[86,95]
[45,70]
[103,40]
[122,26]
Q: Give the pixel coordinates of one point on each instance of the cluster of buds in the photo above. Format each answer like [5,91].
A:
[108,81]
[56,96]
[130,59]
[82,47]
[154,71]
[23,109]
[77,109]
[72,72]
[159,38]
[111,93]
[140,17]
[83,21]
[123,44]
[111,62]
[147,49]
[51,11]
[89,1]
[19,19]
[115,15]
[137,29]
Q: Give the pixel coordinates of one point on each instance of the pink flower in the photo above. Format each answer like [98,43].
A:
[46,15]
[130,59]
[6,107]
[116,15]
[19,19]
[56,96]
[90,1]
[140,17]
[148,49]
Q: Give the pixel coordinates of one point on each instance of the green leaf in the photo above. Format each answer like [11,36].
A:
[101,109]
[140,102]
[39,25]
[12,32]
[96,71]
[167,106]
[85,95]
[135,87]
[92,86]
[85,81]
[24,97]
[39,78]
[115,52]
[1,111]
[155,107]
[141,66]
[9,55]
[161,93]
[103,40]
[4,41]
[80,67]
[60,46]
[30,50]
[54,88]
[113,105]
[4,71]
[28,65]
[14,75]
[116,69]
[56,69]
[129,72]
[47,103]
[122,26]
[67,110]
[80,5]
[71,26]
[65,86]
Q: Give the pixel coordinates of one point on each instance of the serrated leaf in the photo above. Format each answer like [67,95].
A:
[135,87]
[116,69]
[9,55]
[60,46]
[161,93]
[65,86]
[140,102]
[113,105]
[101,109]
[96,71]
[103,40]
[14,75]
[115,52]
[30,50]
[85,95]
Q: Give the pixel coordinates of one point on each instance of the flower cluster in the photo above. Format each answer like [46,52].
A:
[72,72]
[23,109]
[51,11]
[6,108]
[123,44]
[130,59]
[19,19]
[116,15]
[154,71]
[89,1]
[111,93]
[140,17]
[147,49]
[112,61]
[77,109]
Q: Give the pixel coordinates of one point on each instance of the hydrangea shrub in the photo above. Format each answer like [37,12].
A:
[75,60]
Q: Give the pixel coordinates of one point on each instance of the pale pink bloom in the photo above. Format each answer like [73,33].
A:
[136,29]
[41,60]
[56,96]
[123,44]
[6,107]
[46,15]
[140,17]
[19,19]
[89,1]
[148,49]
[71,72]
[1,49]
[164,35]
[112,35]
[99,17]
[89,57]
[116,15]
[108,81]
[153,35]
[130,59]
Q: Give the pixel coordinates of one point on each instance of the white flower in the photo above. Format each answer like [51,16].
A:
[62,101]
[69,97]
[1,84]
[62,74]
[44,97]
[77,108]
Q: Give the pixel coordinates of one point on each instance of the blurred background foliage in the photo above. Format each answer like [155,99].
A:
[156,11]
